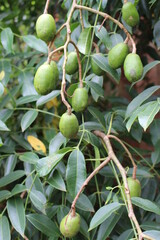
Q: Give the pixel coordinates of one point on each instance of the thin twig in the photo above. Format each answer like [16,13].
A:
[79,63]
[104,163]
[102,24]
[96,47]
[46,7]
[81,17]
[105,15]
[129,154]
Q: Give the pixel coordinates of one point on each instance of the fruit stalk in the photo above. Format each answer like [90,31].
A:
[129,154]
[46,6]
[81,18]
[105,15]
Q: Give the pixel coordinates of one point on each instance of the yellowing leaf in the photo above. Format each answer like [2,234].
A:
[52,103]
[36,144]
[2,75]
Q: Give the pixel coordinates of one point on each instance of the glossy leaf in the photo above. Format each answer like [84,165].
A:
[19,188]
[136,102]
[82,203]
[11,177]
[27,99]
[96,87]
[153,233]
[146,205]
[4,194]
[57,181]
[103,213]
[3,126]
[4,228]
[43,224]
[16,214]
[98,115]
[7,39]
[44,99]
[56,143]
[103,35]
[28,118]
[99,81]
[84,41]
[29,157]
[76,172]
[35,43]
[39,200]
[1,89]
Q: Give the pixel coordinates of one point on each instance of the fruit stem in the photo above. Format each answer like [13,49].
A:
[129,154]
[125,1]
[46,7]
[105,15]
[79,64]
[81,17]
[96,47]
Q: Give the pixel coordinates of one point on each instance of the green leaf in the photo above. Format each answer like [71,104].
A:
[136,102]
[4,194]
[149,225]
[90,126]
[35,43]
[27,99]
[16,213]
[98,115]
[11,177]
[156,33]
[28,118]
[108,225]
[146,117]
[153,233]
[29,157]
[102,62]
[99,81]
[4,228]
[141,173]
[44,99]
[115,39]
[1,89]
[84,41]
[19,188]
[26,79]
[103,35]
[43,224]
[3,126]
[103,213]
[146,204]
[56,143]
[57,181]
[46,164]
[7,39]
[96,87]
[39,200]
[126,235]
[82,203]
[76,172]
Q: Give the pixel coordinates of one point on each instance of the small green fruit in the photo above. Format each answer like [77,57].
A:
[95,68]
[46,27]
[130,14]
[68,125]
[117,55]
[133,67]
[80,99]
[46,78]
[134,187]
[70,225]
[72,63]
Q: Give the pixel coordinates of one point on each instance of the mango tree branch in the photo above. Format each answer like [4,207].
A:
[112,155]
[105,15]
[104,163]
[81,17]
[128,152]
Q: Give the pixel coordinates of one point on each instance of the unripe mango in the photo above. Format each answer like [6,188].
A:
[134,187]
[117,55]
[68,125]
[72,63]
[70,225]
[130,14]
[80,99]
[95,68]
[133,67]
[46,27]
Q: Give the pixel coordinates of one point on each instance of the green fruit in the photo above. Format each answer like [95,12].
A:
[134,187]
[70,225]
[95,68]
[46,78]
[72,63]
[133,67]
[130,14]
[80,99]
[117,55]
[46,27]
[68,125]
